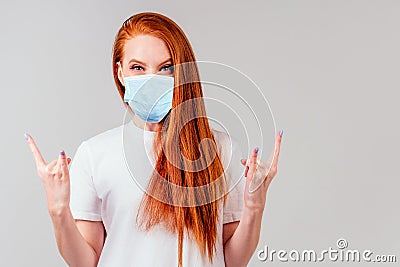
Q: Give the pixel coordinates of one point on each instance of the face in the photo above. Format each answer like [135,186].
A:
[145,54]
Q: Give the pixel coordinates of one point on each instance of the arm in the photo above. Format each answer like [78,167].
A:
[240,247]
[228,230]
[79,242]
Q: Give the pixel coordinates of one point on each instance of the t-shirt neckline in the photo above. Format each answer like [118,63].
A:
[136,128]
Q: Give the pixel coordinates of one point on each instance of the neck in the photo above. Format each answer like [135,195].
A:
[148,126]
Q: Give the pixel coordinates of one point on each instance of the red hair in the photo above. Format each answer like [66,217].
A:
[200,221]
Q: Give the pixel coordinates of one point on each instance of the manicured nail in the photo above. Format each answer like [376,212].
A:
[62,153]
[26,136]
[256,149]
[281,133]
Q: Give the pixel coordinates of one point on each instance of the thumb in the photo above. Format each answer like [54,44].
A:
[243,161]
[69,160]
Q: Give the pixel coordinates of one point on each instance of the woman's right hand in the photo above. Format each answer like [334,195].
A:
[55,178]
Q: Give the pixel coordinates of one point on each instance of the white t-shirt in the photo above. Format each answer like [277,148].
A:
[106,176]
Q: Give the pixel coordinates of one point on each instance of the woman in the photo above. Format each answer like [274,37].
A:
[102,218]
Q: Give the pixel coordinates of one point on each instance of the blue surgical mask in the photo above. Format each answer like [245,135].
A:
[149,95]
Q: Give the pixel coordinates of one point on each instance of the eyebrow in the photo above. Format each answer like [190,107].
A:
[141,62]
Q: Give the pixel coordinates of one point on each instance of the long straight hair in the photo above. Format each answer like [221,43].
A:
[200,221]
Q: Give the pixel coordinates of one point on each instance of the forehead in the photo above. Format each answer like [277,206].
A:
[146,48]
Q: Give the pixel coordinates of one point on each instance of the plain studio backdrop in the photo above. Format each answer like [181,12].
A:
[330,72]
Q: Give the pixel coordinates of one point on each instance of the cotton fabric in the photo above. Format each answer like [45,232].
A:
[107,175]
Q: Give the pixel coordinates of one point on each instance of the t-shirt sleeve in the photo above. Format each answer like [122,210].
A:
[84,201]
[235,175]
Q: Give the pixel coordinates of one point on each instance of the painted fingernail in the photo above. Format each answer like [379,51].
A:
[256,150]
[62,153]
[281,133]
[26,136]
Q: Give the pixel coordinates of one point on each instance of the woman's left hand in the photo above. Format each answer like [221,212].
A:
[255,169]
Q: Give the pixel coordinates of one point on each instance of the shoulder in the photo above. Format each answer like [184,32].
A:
[220,137]
[225,142]
[105,140]
[105,136]
[228,145]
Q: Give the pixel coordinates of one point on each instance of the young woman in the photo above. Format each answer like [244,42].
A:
[101,217]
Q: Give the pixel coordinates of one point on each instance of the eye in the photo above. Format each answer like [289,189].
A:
[136,67]
[168,67]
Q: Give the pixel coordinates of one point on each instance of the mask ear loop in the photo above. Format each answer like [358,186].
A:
[122,73]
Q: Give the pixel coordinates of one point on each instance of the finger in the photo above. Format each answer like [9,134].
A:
[253,161]
[52,164]
[278,141]
[244,162]
[277,148]
[62,164]
[35,150]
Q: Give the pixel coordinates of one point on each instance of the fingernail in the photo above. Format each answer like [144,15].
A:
[26,136]
[281,133]
[256,149]
[62,153]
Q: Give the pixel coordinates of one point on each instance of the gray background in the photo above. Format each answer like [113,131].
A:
[330,70]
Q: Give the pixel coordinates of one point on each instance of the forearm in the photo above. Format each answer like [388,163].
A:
[71,244]
[239,249]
